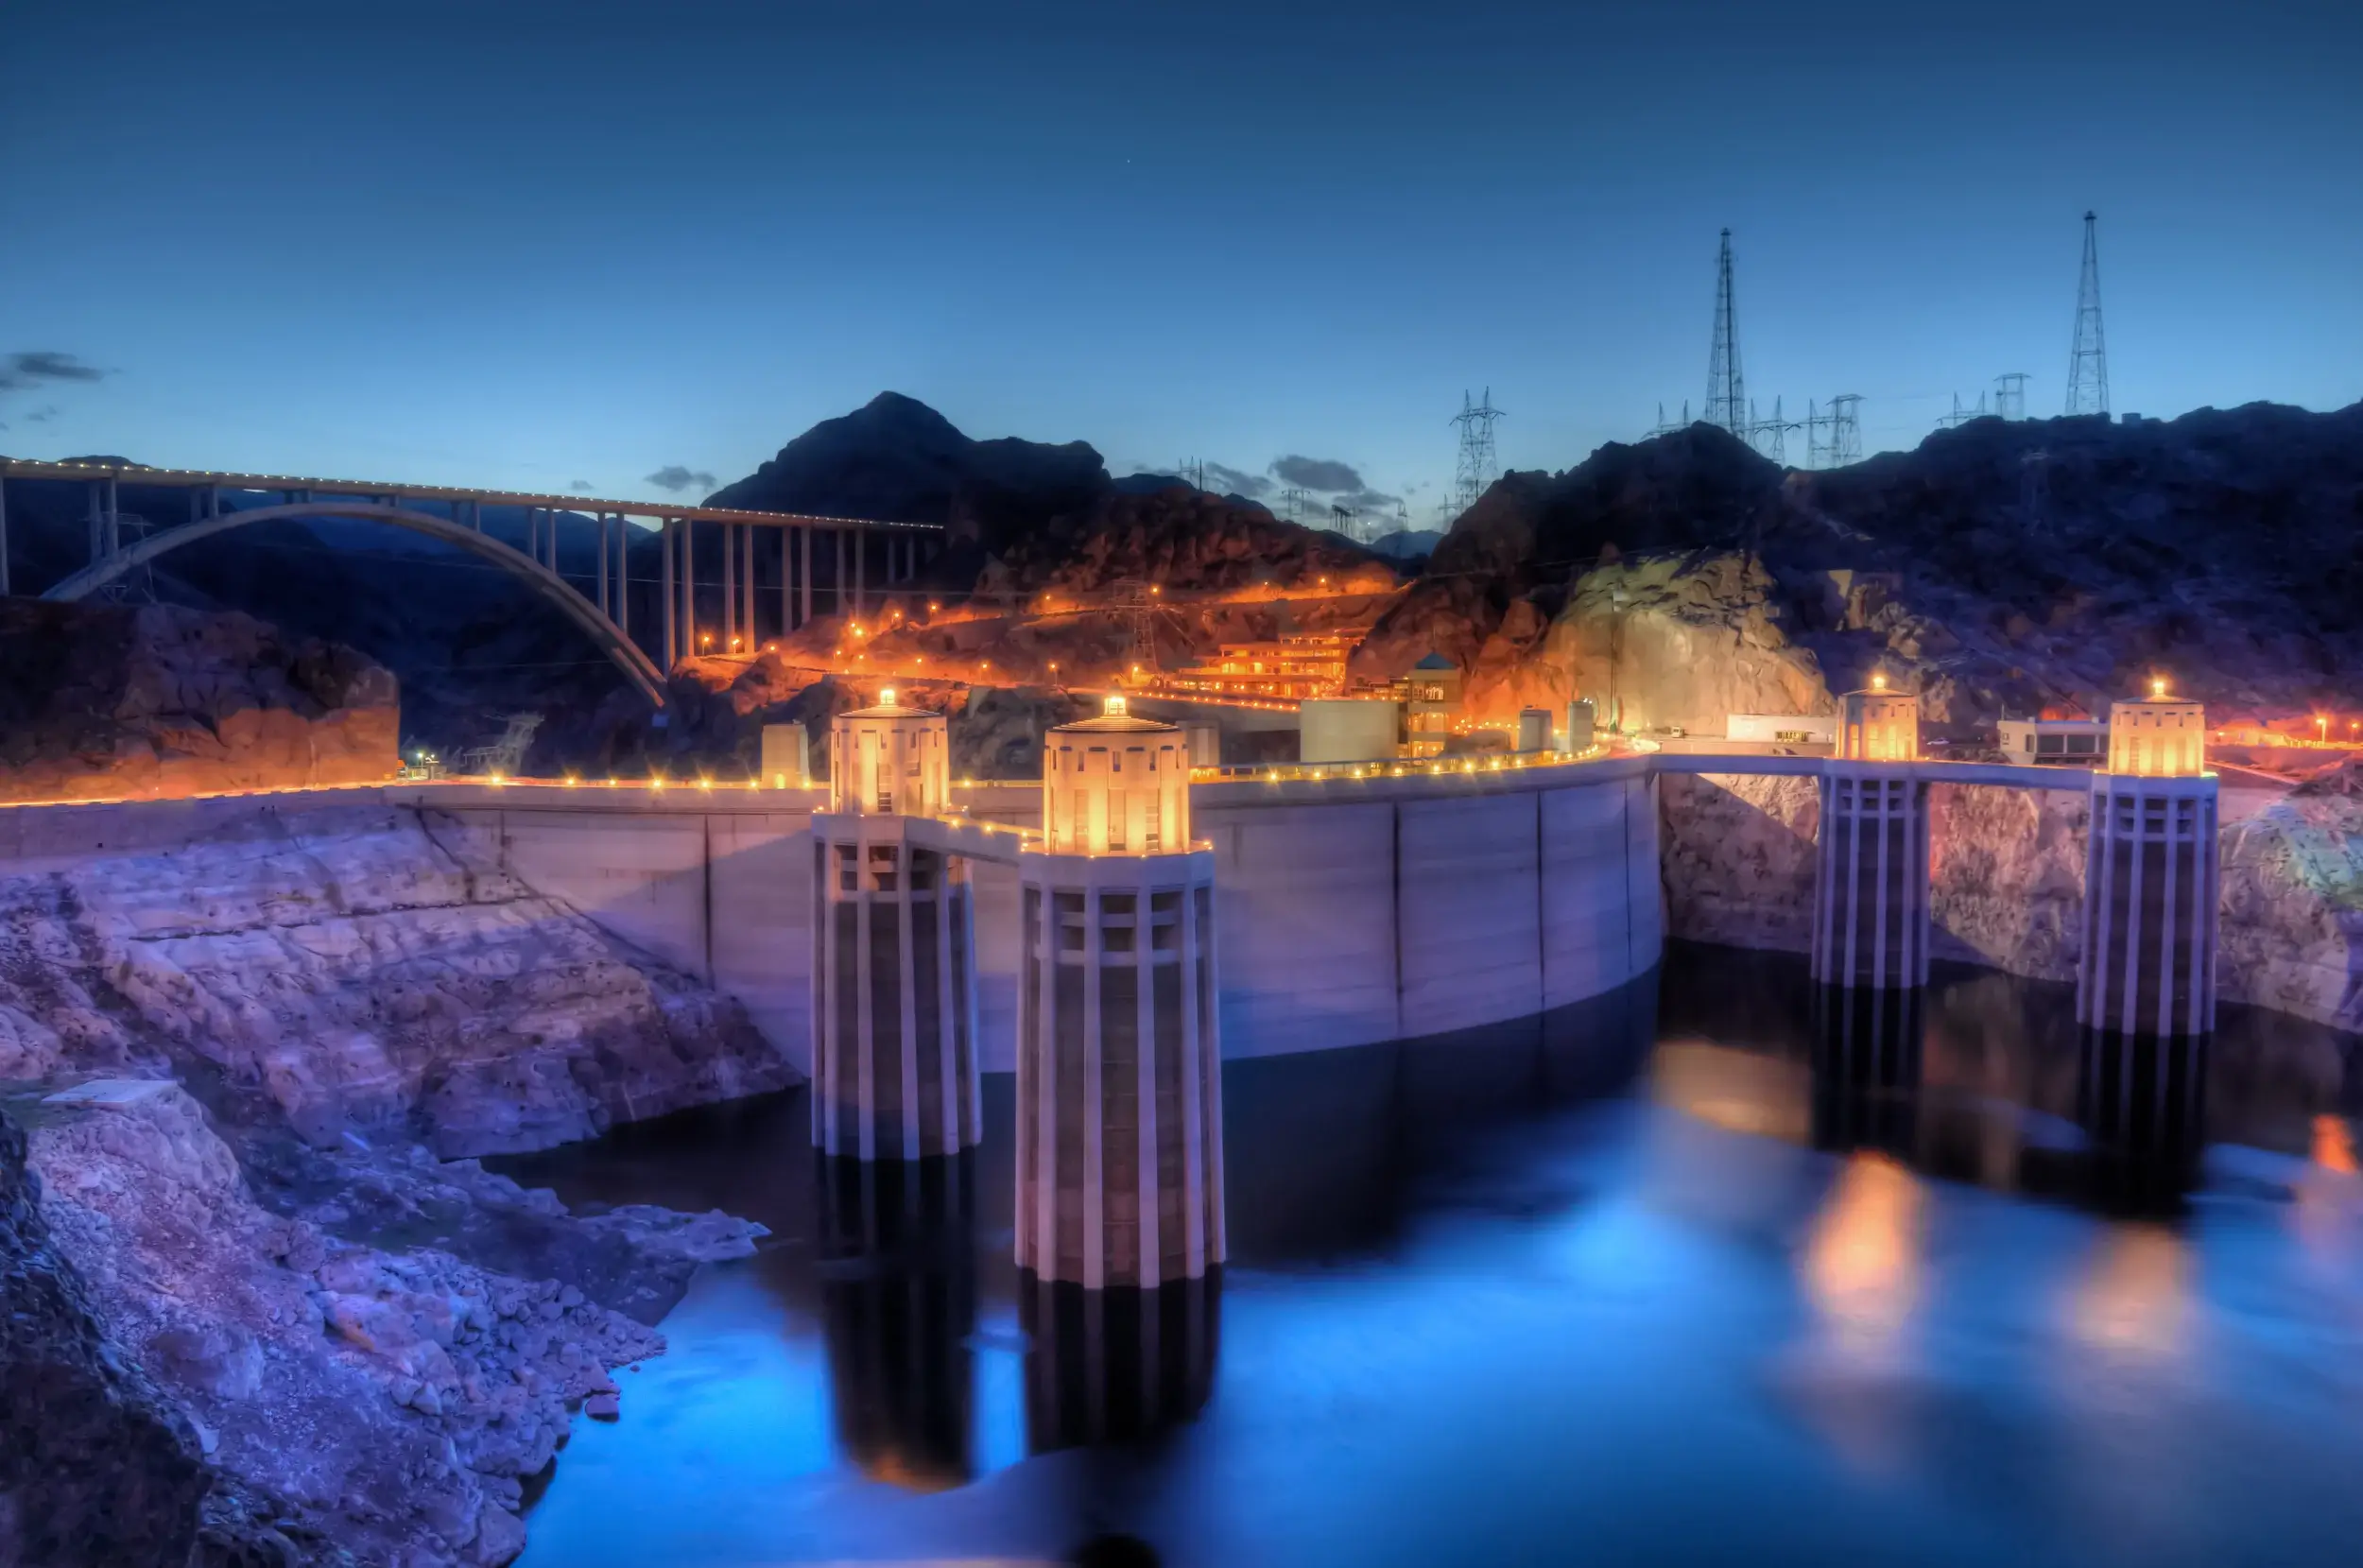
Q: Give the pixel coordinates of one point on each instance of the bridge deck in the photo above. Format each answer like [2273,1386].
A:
[2007,775]
[133,474]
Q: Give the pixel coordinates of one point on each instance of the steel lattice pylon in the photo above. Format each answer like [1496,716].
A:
[1476,471]
[2088,358]
[1727,394]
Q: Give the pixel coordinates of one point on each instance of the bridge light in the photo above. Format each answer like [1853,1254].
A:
[706,783]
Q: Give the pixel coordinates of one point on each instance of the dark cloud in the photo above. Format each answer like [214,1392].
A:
[1232,481]
[676,479]
[1369,501]
[32,367]
[579,485]
[41,416]
[1319,473]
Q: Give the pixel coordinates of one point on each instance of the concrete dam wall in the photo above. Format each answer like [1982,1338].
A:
[1351,911]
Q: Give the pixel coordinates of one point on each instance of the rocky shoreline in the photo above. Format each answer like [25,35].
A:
[242,1078]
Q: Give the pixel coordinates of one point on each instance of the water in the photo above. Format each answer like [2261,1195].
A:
[1589,1294]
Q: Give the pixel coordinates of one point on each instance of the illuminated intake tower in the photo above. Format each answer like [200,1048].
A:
[2149,875]
[1119,1088]
[894,960]
[1871,898]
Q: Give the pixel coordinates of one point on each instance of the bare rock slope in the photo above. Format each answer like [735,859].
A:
[106,700]
[351,966]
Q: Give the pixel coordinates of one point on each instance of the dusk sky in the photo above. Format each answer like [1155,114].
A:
[533,245]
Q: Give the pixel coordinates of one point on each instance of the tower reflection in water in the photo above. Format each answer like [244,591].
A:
[898,1272]
[2140,1104]
[2142,1100]
[1867,1067]
[1115,1365]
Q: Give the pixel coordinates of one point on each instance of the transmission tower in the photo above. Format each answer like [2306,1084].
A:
[1960,416]
[2010,395]
[1292,503]
[1726,395]
[1845,429]
[1667,427]
[1192,472]
[1771,436]
[2088,359]
[1477,473]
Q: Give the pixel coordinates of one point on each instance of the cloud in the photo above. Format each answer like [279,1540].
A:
[1232,481]
[579,485]
[1319,473]
[32,367]
[41,416]
[676,479]
[1369,501]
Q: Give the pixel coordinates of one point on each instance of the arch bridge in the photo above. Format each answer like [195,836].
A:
[574,552]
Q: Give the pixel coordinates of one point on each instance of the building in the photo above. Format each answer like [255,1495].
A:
[2081,741]
[2160,737]
[1430,694]
[1119,1065]
[1878,725]
[894,938]
[1294,668]
[1783,729]
[1349,728]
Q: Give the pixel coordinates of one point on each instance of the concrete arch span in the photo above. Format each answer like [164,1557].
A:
[637,666]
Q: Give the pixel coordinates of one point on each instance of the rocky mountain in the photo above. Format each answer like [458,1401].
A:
[1025,516]
[2001,566]
[103,701]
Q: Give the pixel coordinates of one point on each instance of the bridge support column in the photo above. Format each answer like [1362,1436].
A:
[2149,906]
[729,587]
[894,993]
[747,584]
[1119,1070]
[666,590]
[688,588]
[804,576]
[1871,895]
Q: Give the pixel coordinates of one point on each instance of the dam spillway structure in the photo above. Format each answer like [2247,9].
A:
[894,1019]
[1119,1088]
[1870,893]
[2145,990]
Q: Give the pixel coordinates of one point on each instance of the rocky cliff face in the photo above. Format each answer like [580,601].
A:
[351,966]
[2007,883]
[98,1469]
[104,701]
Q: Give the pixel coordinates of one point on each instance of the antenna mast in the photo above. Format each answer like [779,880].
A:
[1727,395]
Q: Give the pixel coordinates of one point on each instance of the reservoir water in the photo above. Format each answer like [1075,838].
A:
[1627,1285]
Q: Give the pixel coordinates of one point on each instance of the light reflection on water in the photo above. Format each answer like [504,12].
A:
[1488,1305]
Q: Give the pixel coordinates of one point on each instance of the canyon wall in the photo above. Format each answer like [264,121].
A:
[107,701]
[2007,882]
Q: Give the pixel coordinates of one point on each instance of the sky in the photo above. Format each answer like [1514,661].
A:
[623,248]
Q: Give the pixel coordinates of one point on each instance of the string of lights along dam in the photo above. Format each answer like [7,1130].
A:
[576,551]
